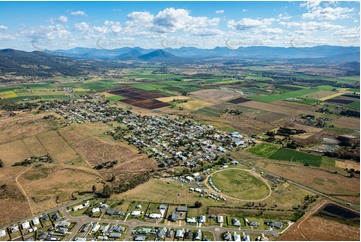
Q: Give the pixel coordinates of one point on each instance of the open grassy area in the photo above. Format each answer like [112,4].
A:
[264,149]
[291,94]
[240,184]
[296,156]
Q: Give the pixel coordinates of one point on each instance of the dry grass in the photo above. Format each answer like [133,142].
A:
[316,228]
[170,99]
[14,152]
[57,147]
[194,104]
[33,144]
[56,187]
[277,108]
[348,165]
[214,95]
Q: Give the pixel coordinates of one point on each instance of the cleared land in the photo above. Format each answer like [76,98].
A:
[347,122]
[240,184]
[194,104]
[215,94]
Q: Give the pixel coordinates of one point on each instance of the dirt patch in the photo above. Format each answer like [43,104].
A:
[215,94]
[194,104]
[170,99]
[316,228]
[347,123]
[348,165]
[270,117]
[276,108]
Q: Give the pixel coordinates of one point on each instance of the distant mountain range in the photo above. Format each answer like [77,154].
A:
[334,54]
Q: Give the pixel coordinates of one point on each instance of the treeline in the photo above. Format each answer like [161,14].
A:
[350,113]
[33,159]
[106,165]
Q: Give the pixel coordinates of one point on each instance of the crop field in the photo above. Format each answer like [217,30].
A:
[291,94]
[323,95]
[339,101]
[140,98]
[8,94]
[347,122]
[264,149]
[194,104]
[173,86]
[58,148]
[209,111]
[214,94]
[239,100]
[171,99]
[270,117]
[296,156]
[289,87]
[240,184]
[276,108]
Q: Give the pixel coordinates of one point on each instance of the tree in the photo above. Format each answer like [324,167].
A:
[94,188]
[198,204]
[106,192]
[1,163]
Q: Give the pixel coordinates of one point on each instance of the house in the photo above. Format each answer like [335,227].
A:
[235,162]
[135,213]
[61,230]
[169,233]
[96,228]
[101,237]
[201,219]
[36,221]
[277,225]
[139,238]
[2,233]
[187,234]
[236,222]
[85,227]
[189,178]
[162,207]
[112,212]
[116,228]
[227,236]
[80,239]
[198,235]
[183,209]
[115,235]
[138,206]
[45,217]
[236,237]
[161,233]
[55,217]
[173,217]
[196,174]
[198,190]
[179,233]
[191,220]
[95,210]
[155,215]
[253,224]
[25,225]
[78,207]
[104,228]
[219,219]
[63,224]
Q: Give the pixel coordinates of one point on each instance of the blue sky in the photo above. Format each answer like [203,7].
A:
[108,25]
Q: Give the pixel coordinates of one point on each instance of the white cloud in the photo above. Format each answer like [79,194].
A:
[78,13]
[57,31]
[63,19]
[3,27]
[244,10]
[284,16]
[312,26]
[83,26]
[248,23]
[326,11]
[219,11]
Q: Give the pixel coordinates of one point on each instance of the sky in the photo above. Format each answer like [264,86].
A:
[109,25]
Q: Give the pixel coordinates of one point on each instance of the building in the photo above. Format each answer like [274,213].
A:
[276,225]
[236,237]
[115,235]
[219,219]
[139,238]
[182,209]
[135,213]
[198,235]
[2,233]
[36,221]
[25,225]
[112,212]
[155,215]
[236,222]
[201,219]
[191,220]
[61,230]
[173,217]
[55,217]
[95,210]
[179,233]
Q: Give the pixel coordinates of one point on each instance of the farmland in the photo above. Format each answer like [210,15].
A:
[264,150]
[295,156]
